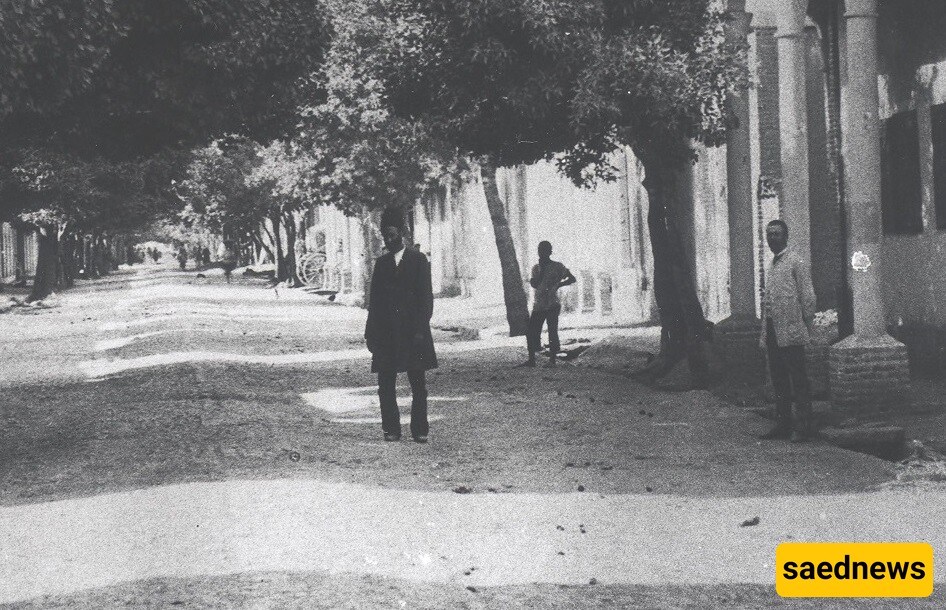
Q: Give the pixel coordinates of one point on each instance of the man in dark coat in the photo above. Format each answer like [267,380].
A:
[398,335]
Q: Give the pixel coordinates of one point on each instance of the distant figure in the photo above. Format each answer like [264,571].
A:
[788,310]
[182,257]
[398,334]
[205,255]
[229,260]
[547,277]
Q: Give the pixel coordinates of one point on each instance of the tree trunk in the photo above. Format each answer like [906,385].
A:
[683,325]
[109,263]
[88,261]
[47,263]
[260,247]
[514,293]
[20,255]
[67,258]
[96,267]
[281,274]
[292,273]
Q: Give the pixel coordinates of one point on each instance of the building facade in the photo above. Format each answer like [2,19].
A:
[843,135]
[18,253]
[846,143]
[599,233]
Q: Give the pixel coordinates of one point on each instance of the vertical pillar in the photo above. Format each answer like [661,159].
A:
[869,369]
[793,125]
[20,254]
[739,333]
[770,147]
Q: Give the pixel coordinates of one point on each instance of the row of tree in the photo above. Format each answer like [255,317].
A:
[364,105]
[101,101]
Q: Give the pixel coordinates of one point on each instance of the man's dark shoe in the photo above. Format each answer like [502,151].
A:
[391,437]
[420,438]
[779,432]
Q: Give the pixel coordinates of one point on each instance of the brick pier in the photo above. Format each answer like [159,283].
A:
[868,375]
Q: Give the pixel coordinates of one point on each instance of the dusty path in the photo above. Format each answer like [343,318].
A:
[188,440]
[188,531]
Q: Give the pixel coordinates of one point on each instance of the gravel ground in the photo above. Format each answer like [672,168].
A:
[319,590]
[505,430]
[534,430]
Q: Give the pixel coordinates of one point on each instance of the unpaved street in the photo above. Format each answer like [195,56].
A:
[168,440]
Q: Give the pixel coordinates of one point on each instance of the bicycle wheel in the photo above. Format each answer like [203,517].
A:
[311,269]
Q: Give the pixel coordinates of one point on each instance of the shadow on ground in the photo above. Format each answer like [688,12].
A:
[512,430]
[338,591]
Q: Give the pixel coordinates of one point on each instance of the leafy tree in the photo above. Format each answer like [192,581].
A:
[152,75]
[222,197]
[513,81]
[282,174]
[109,80]
[73,201]
[359,156]
[50,50]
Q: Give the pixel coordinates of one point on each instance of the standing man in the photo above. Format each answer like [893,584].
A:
[182,257]
[398,333]
[547,277]
[788,309]
[229,260]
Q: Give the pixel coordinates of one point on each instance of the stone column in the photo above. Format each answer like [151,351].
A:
[793,125]
[869,369]
[739,333]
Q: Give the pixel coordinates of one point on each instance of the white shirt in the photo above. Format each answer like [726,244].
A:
[398,256]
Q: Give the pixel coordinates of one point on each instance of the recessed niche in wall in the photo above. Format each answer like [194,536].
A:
[900,175]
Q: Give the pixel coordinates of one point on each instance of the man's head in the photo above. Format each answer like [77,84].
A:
[545,250]
[776,234]
[391,223]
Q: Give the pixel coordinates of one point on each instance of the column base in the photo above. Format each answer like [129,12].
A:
[868,375]
[736,340]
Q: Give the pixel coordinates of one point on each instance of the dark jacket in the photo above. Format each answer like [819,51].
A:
[400,307]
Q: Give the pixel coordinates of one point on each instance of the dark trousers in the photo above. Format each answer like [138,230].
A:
[536,320]
[789,378]
[390,415]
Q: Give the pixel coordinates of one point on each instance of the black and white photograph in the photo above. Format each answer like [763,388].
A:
[473,304]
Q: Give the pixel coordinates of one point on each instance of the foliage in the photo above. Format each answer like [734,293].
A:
[56,189]
[51,49]
[359,155]
[523,80]
[283,171]
[217,193]
[99,97]
[127,78]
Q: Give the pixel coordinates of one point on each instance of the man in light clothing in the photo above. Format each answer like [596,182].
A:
[788,311]
[547,277]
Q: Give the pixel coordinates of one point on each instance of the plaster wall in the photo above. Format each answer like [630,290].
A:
[913,77]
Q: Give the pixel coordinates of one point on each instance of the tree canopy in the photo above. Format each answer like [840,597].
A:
[523,80]
[129,78]
[362,155]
